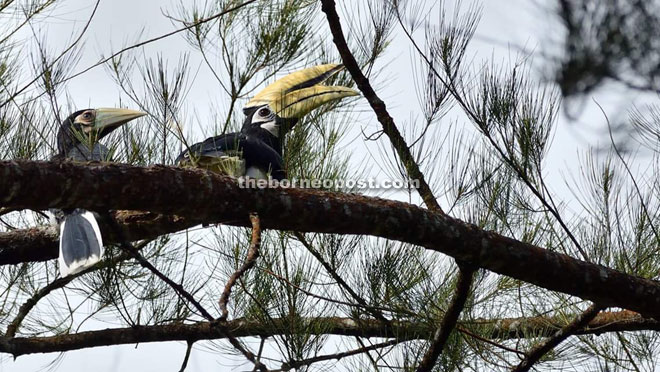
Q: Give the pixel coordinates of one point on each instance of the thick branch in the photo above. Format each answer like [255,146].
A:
[206,196]
[544,326]
[497,329]
[190,333]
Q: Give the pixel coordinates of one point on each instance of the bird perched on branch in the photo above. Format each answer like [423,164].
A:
[256,151]
[78,138]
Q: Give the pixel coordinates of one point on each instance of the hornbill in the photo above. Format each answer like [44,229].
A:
[81,244]
[256,151]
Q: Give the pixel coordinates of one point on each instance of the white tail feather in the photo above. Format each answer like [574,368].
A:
[80,264]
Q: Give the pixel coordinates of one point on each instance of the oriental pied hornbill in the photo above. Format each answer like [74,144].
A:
[81,244]
[256,151]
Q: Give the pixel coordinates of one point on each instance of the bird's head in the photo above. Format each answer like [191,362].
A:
[281,104]
[90,125]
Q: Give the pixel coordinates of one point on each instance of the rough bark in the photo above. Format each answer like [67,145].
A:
[544,326]
[205,196]
[498,329]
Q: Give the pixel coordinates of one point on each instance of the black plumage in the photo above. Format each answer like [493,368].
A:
[81,243]
[256,151]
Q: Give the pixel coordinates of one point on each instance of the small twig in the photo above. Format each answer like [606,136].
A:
[539,351]
[342,283]
[372,310]
[67,50]
[630,174]
[134,46]
[250,260]
[334,300]
[186,357]
[25,309]
[7,225]
[631,359]
[305,362]
[378,106]
[124,244]
[491,342]
[441,335]
[373,361]
[4,210]
[260,351]
[130,249]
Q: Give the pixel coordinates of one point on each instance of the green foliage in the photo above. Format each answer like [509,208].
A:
[481,138]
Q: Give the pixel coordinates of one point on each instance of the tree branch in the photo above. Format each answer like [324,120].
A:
[253,254]
[28,305]
[178,288]
[403,150]
[186,357]
[368,328]
[41,243]
[187,192]
[545,326]
[321,358]
[570,329]
[378,106]
[441,335]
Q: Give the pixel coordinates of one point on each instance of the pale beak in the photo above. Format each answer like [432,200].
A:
[114,117]
[298,93]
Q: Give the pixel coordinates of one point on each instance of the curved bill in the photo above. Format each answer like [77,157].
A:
[114,117]
[300,92]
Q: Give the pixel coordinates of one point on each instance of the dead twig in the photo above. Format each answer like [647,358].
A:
[250,260]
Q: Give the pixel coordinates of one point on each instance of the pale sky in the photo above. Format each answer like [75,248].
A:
[506,27]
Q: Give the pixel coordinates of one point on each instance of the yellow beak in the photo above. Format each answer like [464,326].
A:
[298,93]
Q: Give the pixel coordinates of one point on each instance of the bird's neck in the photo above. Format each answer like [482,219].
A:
[67,140]
[275,143]
[269,139]
[285,125]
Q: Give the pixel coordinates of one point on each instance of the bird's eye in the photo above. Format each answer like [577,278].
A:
[264,112]
[87,115]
